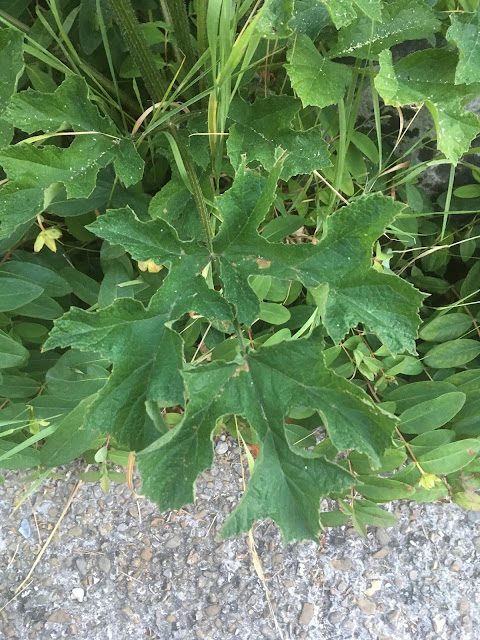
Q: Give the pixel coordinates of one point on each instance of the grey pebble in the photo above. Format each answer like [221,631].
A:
[221,448]
[307,613]
[104,564]
[174,542]
[24,529]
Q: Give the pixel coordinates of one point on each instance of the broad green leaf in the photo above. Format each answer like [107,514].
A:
[84,287]
[262,388]
[432,414]
[430,440]
[16,292]
[12,354]
[428,77]
[76,375]
[71,438]
[273,313]
[89,24]
[447,327]
[453,353]
[468,500]
[333,518]
[281,227]
[343,12]
[414,393]
[34,171]
[467,421]
[11,64]
[145,351]
[25,459]
[34,111]
[309,17]
[466,381]
[363,465]
[51,282]
[274,18]
[340,263]
[13,386]
[401,20]
[411,475]
[383,489]
[450,457]
[317,81]
[43,307]
[371,514]
[258,130]
[463,32]
[471,284]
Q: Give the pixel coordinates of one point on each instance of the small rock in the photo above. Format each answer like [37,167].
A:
[75,532]
[382,536]
[81,566]
[381,553]
[24,529]
[366,606]
[171,618]
[456,566]
[464,605]
[439,623]
[413,574]
[268,633]
[306,614]
[476,543]
[193,557]
[343,564]
[221,448]
[213,610]
[174,542]
[147,554]
[78,594]
[59,616]
[336,617]
[127,611]
[104,564]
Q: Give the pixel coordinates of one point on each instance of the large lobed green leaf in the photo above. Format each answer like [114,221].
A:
[36,174]
[465,33]
[261,128]
[343,12]
[429,77]
[341,263]
[287,482]
[401,20]
[317,81]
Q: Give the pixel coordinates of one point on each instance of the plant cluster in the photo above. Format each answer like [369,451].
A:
[212,218]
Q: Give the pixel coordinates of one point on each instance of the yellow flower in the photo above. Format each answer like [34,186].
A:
[150,266]
[428,480]
[47,238]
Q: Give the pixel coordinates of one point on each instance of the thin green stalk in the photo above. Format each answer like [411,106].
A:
[341,151]
[202,42]
[133,36]
[378,124]
[448,199]
[179,16]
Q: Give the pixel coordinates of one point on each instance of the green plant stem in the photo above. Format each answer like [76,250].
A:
[341,151]
[378,124]
[202,26]
[448,200]
[133,36]
[154,82]
[197,192]
[179,16]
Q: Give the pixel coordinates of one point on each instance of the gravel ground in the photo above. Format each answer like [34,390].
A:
[116,568]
